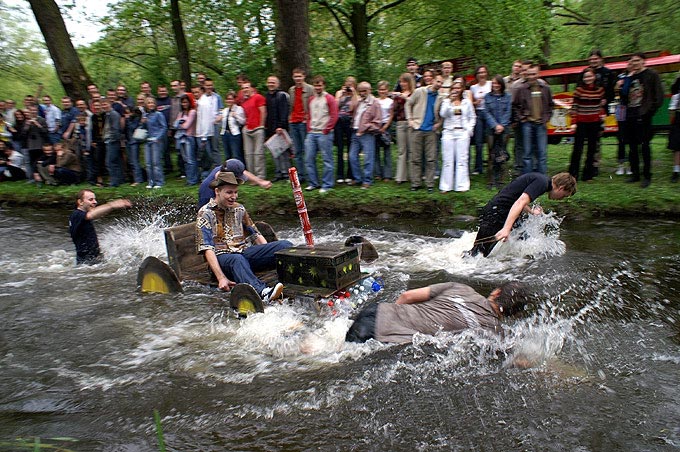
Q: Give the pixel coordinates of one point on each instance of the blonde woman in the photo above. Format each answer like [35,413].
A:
[459,119]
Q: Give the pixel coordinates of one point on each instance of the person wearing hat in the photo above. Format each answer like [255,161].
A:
[413,69]
[230,241]
[451,307]
[205,192]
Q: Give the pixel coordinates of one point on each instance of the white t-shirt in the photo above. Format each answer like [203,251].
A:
[385,108]
[479,91]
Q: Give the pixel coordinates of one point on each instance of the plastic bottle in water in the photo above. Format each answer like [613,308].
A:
[372,284]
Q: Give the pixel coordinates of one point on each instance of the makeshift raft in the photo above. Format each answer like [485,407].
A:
[309,274]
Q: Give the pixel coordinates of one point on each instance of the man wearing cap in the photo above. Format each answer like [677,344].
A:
[450,307]
[413,69]
[205,192]
[230,242]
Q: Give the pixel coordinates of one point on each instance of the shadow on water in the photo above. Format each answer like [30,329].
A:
[85,356]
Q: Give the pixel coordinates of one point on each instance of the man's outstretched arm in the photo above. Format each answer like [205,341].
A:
[414,296]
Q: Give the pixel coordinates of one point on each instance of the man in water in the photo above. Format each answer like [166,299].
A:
[233,166]
[500,214]
[451,307]
[82,229]
[230,242]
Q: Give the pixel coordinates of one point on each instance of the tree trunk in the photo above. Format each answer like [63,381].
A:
[359,19]
[70,70]
[292,39]
[180,42]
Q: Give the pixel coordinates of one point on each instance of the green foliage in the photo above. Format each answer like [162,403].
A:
[24,61]
[615,26]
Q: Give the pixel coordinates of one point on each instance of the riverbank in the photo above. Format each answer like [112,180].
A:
[608,195]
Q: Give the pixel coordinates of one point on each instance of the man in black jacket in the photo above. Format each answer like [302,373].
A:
[642,100]
[276,123]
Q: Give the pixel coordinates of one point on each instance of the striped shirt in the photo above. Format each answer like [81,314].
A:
[587,103]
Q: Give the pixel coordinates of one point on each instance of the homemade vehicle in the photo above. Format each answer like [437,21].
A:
[320,276]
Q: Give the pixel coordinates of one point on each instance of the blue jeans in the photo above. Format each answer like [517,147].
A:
[366,143]
[383,166]
[343,136]
[479,138]
[535,147]
[240,267]
[153,155]
[298,132]
[319,142]
[133,160]
[54,137]
[233,148]
[114,163]
[187,149]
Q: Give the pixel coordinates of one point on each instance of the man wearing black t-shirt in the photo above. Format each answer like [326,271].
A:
[82,229]
[499,215]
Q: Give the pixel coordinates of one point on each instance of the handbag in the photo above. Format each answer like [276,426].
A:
[140,134]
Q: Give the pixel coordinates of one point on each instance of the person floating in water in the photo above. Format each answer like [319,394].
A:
[500,214]
[452,307]
[81,228]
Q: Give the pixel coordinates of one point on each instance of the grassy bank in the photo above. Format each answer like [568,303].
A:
[607,195]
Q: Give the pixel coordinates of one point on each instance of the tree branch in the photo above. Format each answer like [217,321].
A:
[384,8]
[605,23]
[337,19]
[218,70]
[120,57]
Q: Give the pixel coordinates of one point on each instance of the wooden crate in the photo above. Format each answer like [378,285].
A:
[322,266]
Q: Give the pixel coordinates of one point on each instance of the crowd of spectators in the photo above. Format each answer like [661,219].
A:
[444,128]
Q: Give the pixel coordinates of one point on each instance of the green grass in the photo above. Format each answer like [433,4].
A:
[607,195]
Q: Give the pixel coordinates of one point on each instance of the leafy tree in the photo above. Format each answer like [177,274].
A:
[355,18]
[23,59]
[635,25]
[292,38]
[69,69]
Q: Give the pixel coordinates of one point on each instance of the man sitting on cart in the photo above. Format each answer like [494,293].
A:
[230,242]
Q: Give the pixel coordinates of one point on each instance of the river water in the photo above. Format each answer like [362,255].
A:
[85,359]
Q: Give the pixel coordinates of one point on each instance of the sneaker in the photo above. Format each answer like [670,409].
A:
[310,187]
[628,172]
[430,190]
[620,171]
[149,186]
[157,186]
[365,186]
[348,181]
[675,177]
[340,181]
[324,190]
[272,293]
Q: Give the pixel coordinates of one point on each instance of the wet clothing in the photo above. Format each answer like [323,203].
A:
[496,211]
[452,307]
[229,233]
[84,237]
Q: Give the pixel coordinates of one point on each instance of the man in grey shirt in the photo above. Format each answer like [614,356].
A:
[449,306]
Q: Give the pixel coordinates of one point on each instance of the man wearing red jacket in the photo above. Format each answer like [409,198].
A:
[323,114]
